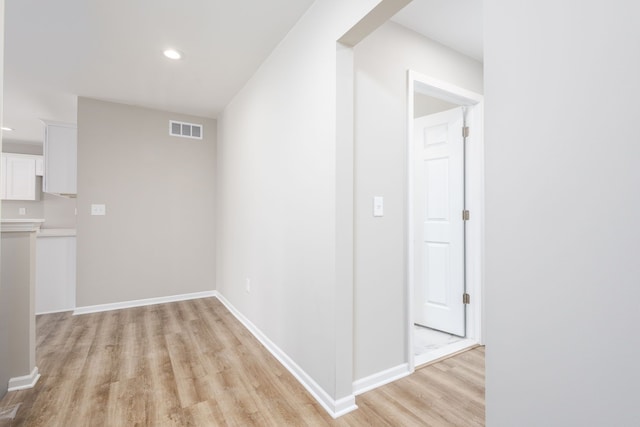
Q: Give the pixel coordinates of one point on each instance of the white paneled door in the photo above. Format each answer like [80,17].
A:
[438,224]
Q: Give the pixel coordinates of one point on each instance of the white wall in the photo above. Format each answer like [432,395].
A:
[277,197]
[5,369]
[381,64]
[59,212]
[12,146]
[157,238]
[423,105]
[562,205]
[33,209]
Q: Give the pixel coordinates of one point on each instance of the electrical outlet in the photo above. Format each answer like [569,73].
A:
[98,210]
[22,211]
[378,206]
[247,285]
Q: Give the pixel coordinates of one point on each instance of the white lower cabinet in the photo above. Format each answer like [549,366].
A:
[55,272]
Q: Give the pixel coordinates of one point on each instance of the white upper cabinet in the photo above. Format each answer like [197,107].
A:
[60,158]
[40,166]
[19,176]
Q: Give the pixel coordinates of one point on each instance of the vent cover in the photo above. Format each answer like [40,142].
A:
[185,130]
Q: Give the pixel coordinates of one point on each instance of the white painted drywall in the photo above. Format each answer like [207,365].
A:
[381,64]
[423,105]
[562,205]
[11,146]
[33,209]
[59,212]
[157,237]
[277,198]
[5,304]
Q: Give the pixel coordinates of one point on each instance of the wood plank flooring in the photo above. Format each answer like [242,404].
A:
[192,363]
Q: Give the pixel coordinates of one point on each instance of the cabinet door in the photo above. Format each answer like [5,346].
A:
[55,288]
[39,166]
[20,178]
[60,159]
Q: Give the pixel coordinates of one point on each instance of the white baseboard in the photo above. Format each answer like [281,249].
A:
[38,313]
[381,378]
[141,302]
[25,381]
[335,408]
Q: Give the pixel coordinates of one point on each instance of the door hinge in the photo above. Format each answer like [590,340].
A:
[465,131]
[466,298]
[465,215]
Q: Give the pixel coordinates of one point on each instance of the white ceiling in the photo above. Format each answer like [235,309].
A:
[112,50]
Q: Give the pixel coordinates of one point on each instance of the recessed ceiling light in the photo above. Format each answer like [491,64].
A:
[7,129]
[172,54]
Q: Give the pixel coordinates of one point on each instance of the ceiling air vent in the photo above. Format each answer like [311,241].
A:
[185,130]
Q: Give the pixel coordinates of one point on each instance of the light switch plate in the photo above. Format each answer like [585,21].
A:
[98,209]
[378,206]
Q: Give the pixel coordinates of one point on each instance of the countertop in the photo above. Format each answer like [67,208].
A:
[35,224]
[21,224]
[56,232]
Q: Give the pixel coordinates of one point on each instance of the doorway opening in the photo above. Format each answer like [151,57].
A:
[445,217]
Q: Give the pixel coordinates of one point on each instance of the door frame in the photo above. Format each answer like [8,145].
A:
[474,201]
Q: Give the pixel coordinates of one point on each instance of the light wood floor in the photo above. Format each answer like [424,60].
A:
[192,363]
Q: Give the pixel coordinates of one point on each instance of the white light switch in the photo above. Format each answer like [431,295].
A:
[98,209]
[22,211]
[378,206]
